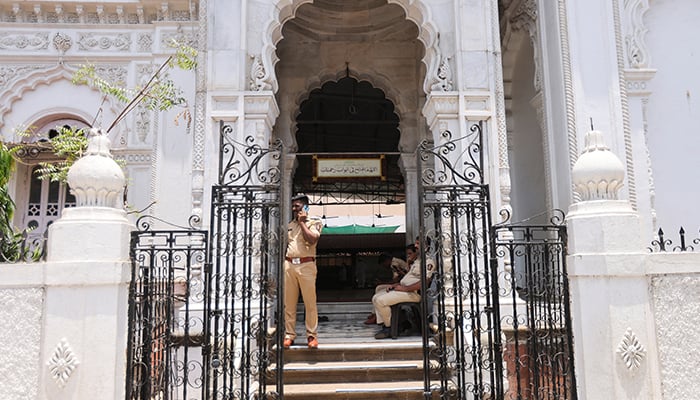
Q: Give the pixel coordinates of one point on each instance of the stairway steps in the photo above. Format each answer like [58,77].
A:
[402,390]
[361,351]
[353,371]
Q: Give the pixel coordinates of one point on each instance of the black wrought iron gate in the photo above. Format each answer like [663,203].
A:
[210,334]
[497,321]
[203,309]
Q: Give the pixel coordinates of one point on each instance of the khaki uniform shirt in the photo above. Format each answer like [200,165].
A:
[296,245]
[414,274]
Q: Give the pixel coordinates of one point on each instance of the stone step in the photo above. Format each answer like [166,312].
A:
[403,390]
[385,350]
[353,371]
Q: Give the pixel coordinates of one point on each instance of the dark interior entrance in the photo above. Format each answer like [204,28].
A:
[350,118]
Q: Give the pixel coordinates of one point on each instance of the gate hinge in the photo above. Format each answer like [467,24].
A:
[207,268]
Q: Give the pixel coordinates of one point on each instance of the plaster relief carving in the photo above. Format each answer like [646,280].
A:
[631,351]
[112,73]
[62,363]
[635,46]
[8,74]
[144,42]
[62,42]
[444,76]
[104,42]
[166,39]
[25,42]
[258,75]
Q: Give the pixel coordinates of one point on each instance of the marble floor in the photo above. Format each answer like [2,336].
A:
[344,323]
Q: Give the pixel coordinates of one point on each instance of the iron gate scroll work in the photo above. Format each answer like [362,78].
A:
[166,321]
[497,322]
[203,307]
[243,310]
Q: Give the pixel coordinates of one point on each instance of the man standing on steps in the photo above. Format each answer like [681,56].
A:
[300,271]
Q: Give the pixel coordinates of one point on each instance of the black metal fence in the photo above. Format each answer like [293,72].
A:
[166,321]
[683,244]
[499,321]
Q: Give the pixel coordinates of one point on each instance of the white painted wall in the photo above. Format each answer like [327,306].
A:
[674,112]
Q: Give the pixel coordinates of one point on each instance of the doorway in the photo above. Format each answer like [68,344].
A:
[350,122]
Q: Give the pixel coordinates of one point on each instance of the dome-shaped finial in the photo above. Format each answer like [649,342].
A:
[597,174]
[96,179]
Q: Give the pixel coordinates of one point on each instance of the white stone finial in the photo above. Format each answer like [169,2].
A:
[598,174]
[96,179]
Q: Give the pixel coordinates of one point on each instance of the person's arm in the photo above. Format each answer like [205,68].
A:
[311,236]
[409,288]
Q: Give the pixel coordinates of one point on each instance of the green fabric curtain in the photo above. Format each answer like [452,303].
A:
[357,229]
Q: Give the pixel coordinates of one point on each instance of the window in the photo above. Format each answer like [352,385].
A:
[46,200]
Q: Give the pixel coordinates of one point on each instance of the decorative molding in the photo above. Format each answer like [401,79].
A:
[98,13]
[115,74]
[104,41]
[259,78]
[179,36]
[200,111]
[624,105]
[62,42]
[440,105]
[572,138]
[504,183]
[62,363]
[443,75]
[144,42]
[24,41]
[133,157]
[11,73]
[635,45]
[631,351]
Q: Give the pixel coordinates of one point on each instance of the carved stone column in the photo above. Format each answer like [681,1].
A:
[614,344]
[84,338]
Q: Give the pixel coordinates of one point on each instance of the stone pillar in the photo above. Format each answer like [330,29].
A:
[85,329]
[614,341]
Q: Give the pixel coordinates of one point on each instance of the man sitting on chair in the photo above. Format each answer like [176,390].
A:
[406,291]
[399,269]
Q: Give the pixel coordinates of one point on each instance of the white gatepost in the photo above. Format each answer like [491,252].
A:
[84,341]
[613,326]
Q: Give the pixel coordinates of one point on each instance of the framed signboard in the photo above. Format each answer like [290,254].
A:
[328,168]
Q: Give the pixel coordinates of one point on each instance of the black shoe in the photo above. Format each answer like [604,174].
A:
[385,333]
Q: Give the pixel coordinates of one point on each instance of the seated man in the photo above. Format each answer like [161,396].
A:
[398,267]
[404,291]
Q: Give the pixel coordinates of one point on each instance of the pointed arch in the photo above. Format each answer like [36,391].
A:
[416,11]
[43,76]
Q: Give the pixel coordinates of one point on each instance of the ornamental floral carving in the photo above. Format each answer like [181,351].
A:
[258,75]
[635,46]
[62,42]
[631,351]
[444,76]
[62,363]
[144,42]
[9,74]
[104,42]
[22,41]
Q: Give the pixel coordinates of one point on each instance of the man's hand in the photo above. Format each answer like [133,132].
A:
[302,216]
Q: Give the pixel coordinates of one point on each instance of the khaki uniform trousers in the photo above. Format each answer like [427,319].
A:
[300,277]
[383,301]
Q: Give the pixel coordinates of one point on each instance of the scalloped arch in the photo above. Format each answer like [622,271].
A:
[375,79]
[33,80]
[416,12]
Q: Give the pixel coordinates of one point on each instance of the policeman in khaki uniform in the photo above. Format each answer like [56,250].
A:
[300,271]
[404,291]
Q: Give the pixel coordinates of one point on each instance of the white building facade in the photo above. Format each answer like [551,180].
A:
[539,75]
